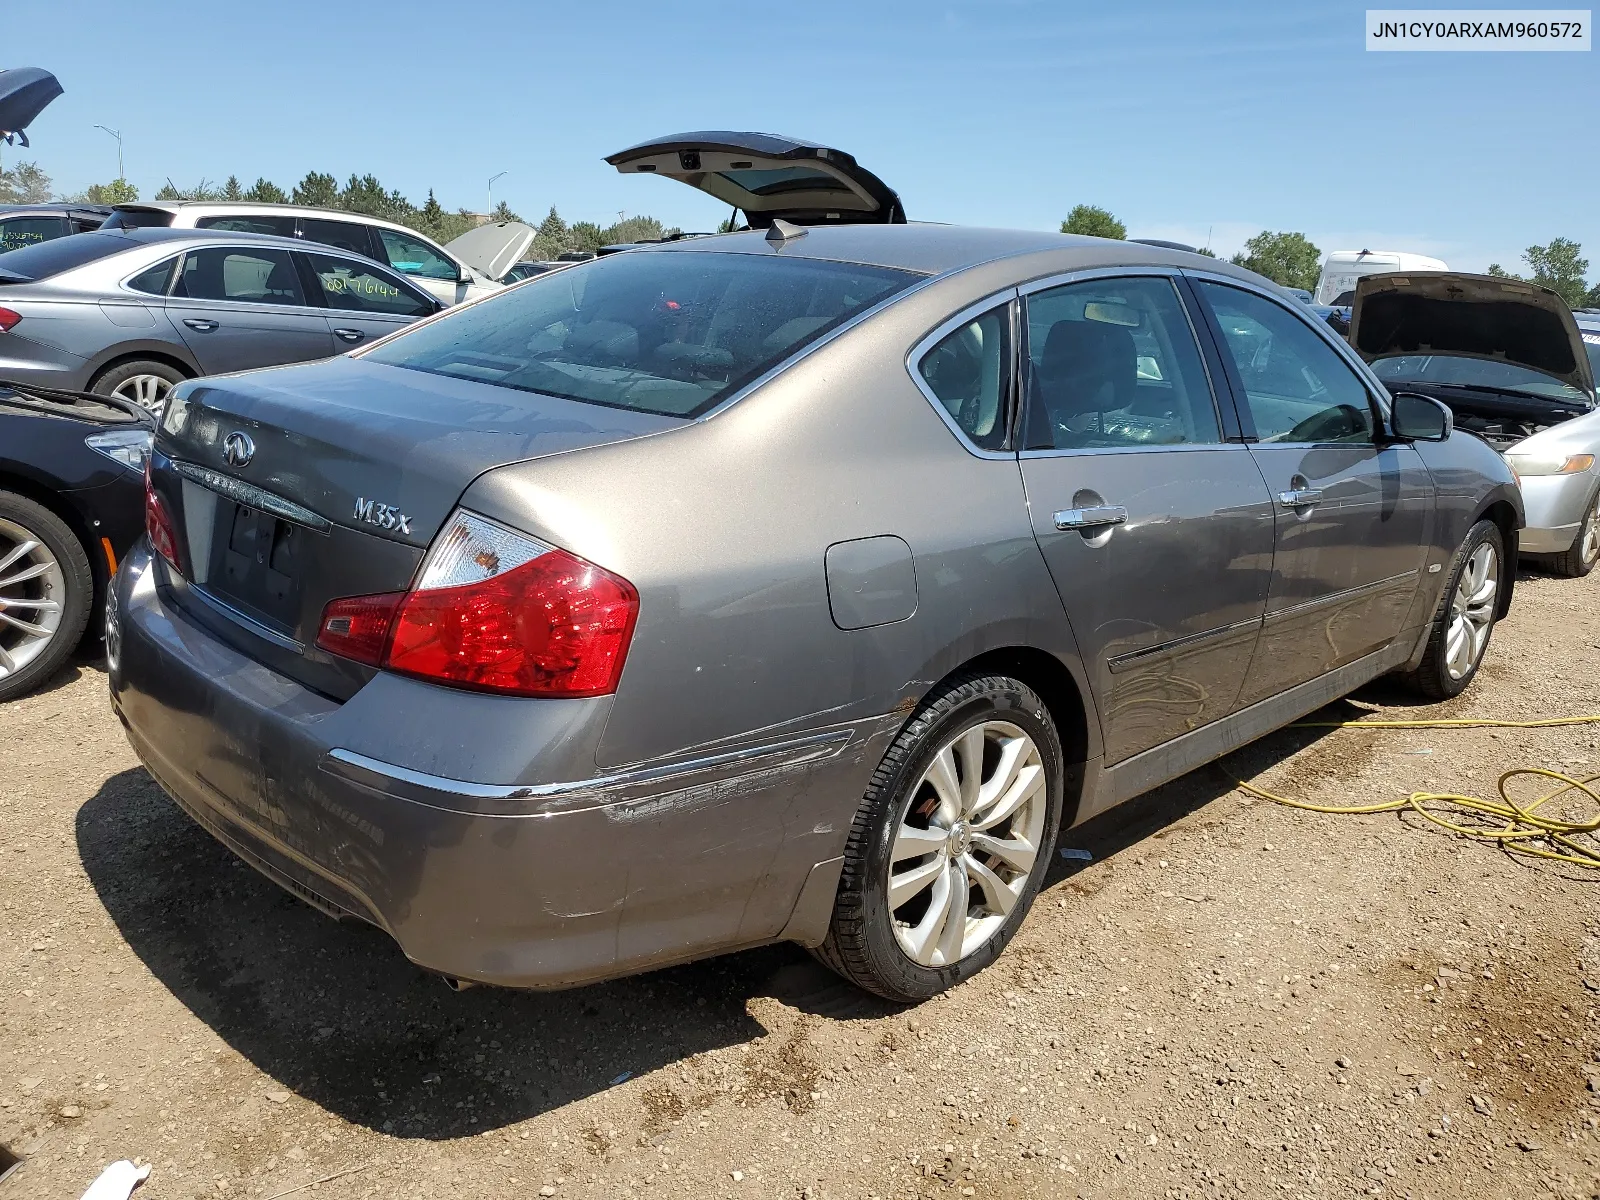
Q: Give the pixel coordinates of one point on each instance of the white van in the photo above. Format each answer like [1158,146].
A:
[1342,268]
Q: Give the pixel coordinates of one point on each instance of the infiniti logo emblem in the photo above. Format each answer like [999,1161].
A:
[238,449]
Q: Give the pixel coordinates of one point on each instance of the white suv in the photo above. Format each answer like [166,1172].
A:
[472,265]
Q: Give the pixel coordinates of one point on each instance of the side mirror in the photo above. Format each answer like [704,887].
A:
[1419,418]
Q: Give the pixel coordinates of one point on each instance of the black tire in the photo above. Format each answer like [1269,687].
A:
[1433,677]
[861,944]
[43,526]
[109,380]
[1571,562]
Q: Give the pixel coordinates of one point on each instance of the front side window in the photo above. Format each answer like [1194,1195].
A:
[254,276]
[346,284]
[1113,362]
[665,332]
[969,370]
[1297,386]
[278,226]
[17,232]
[412,256]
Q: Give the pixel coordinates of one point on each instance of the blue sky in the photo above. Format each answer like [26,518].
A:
[1182,119]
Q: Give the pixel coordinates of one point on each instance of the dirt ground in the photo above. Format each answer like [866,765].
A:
[1233,999]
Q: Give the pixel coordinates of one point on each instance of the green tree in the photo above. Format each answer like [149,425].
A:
[233,189]
[432,213]
[317,190]
[24,183]
[1560,266]
[1207,251]
[633,229]
[169,191]
[264,191]
[502,212]
[1093,221]
[1500,272]
[118,191]
[1289,259]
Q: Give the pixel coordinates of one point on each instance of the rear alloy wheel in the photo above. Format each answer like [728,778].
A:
[1465,621]
[147,384]
[45,591]
[1580,558]
[951,843]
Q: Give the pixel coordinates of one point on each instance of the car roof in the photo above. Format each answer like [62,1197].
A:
[261,206]
[13,210]
[212,237]
[932,249]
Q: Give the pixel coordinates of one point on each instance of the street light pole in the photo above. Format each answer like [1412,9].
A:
[116,134]
[492,178]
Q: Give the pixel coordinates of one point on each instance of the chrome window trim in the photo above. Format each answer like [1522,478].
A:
[920,349]
[172,264]
[1132,271]
[245,305]
[1375,388]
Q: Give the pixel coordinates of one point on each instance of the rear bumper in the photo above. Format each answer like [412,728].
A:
[532,885]
[1555,507]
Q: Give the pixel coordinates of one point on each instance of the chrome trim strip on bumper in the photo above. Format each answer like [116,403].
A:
[251,496]
[546,799]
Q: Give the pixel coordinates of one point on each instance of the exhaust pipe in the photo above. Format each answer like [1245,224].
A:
[457,985]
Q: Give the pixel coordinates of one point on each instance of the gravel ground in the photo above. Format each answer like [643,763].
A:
[1233,999]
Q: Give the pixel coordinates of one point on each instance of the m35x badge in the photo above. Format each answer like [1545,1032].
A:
[384,516]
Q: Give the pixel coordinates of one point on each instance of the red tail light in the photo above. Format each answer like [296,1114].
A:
[158,522]
[8,319]
[529,621]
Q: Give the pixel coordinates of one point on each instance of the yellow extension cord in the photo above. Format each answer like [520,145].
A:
[1525,831]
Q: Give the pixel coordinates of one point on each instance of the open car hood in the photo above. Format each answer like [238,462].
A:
[24,91]
[492,249]
[1455,315]
[768,177]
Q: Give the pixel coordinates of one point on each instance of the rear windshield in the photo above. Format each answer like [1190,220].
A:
[664,333]
[138,218]
[44,259]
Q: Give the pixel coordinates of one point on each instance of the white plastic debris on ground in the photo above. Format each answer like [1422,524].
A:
[117,1181]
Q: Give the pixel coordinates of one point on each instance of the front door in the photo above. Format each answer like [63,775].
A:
[1353,513]
[237,308]
[1157,532]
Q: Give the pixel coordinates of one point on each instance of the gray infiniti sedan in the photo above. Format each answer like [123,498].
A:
[131,312]
[799,585]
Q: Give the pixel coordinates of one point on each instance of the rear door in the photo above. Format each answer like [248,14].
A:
[238,307]
[1157,528]
[1353,514]
[364,302]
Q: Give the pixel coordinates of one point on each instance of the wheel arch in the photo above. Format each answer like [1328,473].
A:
[1063,696]
[1508,520]
[160,354]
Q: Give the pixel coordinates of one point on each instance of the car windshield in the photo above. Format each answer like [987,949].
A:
[44,259]
[1471,372]
[665,333]
[1591,345]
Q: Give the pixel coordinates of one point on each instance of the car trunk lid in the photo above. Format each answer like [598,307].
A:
[493,249]
[1485,317]
[768,177]
[296,486]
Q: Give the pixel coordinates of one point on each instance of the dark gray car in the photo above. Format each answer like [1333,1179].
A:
[789,586]
[131,312]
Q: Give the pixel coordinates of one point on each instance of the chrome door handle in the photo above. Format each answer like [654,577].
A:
[202,326]
[1300,497]
[1100,516]
[349,335]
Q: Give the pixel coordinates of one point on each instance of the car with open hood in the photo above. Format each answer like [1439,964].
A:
[1510,361]
[799,583]
[472,265]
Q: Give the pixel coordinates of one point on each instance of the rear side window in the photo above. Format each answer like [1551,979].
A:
[44,259]
[969,371]
[249,276]
[341,235]
[17,232]
[660,332]
[412,256]
[279,226]
[156,280]
[349,286]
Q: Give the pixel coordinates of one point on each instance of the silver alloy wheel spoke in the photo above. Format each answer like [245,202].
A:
[33,595]
[1590,549]
[1472,612]
[959,875]
[147,391]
